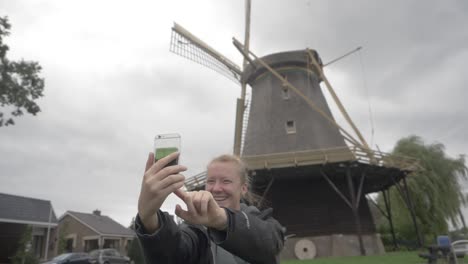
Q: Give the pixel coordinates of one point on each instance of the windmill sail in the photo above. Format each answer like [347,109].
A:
[185,44]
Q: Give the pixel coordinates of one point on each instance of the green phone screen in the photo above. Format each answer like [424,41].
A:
[163,152]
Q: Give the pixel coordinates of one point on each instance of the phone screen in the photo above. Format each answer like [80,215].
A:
[163,152]
[166,144]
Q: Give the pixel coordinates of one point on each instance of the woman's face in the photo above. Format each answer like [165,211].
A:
[224,183]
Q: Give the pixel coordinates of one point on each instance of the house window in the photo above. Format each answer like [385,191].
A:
[69,245]
[70,242]
[112,243]
[290,127]
[91,244]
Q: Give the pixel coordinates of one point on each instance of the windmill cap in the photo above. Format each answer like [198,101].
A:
[298,58]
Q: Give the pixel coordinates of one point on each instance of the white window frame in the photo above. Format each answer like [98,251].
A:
[85,238]
[290,129]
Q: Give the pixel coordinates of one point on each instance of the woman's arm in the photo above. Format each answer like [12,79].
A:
[161,239]
[172,243]
[158,182]
[253,236]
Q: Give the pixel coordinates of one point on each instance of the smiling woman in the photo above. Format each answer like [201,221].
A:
[218,228]
[227,180]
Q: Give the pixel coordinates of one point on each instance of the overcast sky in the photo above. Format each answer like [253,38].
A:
[111,84]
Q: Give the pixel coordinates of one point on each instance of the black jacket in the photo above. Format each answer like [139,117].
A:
[251,237]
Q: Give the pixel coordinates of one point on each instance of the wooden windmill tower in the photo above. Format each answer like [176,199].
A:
[313,172]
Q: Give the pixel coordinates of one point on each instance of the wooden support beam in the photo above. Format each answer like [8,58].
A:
[355,208]
[336,189]
[406,198]
[413,215]
[389,217]
[361,185]
[378,207]
[266,192]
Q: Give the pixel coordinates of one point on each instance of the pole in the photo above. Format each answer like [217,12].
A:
[240,105]
[48,234]
[341,57]
[247,34]
[241,101]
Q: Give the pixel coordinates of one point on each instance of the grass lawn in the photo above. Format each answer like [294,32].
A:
[403,257]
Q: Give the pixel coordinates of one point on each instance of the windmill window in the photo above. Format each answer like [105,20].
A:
[285,93]
[290,127]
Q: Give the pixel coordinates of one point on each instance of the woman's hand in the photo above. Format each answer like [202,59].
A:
[158,182]
[202,209]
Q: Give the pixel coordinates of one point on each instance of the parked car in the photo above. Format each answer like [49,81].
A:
[71,258]
[108,256]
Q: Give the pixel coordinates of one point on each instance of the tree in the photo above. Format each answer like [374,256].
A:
[24,254]
[435,190]
[134,251]
[62,241]
[20,83]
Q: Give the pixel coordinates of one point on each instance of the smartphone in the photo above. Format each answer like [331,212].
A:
[165,144]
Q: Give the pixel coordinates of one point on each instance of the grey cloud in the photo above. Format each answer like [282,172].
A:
[88,146]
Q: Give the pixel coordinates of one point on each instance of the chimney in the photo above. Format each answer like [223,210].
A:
[97,212]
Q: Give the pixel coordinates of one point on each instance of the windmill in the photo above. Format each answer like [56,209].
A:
[313,172]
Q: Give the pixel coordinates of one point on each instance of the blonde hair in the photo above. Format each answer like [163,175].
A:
[241,167]
[243,173]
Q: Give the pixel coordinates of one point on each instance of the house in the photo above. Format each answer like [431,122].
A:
[86,232]
[18,215]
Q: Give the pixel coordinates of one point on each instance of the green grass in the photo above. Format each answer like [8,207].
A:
[403,257]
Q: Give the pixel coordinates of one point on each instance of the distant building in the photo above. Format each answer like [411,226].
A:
[17,213]
[86,232]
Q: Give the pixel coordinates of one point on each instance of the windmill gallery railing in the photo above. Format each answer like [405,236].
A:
[333,155]
[317,157]
[196,182]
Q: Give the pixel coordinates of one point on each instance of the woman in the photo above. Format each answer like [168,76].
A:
[218,228]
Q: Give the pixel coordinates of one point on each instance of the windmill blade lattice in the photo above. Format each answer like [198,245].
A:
[248,100]
[184,44]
